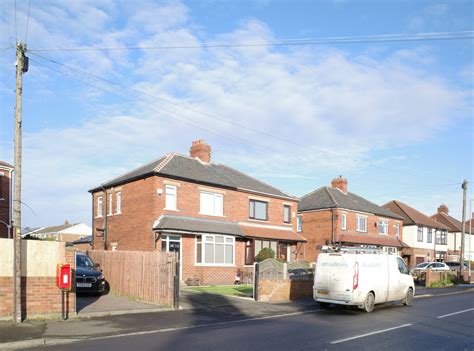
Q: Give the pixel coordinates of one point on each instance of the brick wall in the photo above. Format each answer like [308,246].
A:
[40,297]
[284,289]
[4,201]
[318,225]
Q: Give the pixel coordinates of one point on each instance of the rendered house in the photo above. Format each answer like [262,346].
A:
[214,217]
[454,230]
[332,215]
[427,238]
[6,172]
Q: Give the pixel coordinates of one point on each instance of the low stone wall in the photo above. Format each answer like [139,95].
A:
[284,289]
[434,276]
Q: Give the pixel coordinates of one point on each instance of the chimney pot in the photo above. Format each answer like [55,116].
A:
[199,149]
[340,183]
[443,209]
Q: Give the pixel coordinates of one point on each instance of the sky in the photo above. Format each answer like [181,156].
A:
[394,118]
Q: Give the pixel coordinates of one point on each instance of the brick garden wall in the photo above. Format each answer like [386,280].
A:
[284,289]
[40,297]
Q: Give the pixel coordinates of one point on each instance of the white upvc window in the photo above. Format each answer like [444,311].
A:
[361,224]
[397,230]
[383,227]
[299,223]
[343,221]
[211,203]
[171,196]
[215,250]
[118,207]
[99,206]
[111,204]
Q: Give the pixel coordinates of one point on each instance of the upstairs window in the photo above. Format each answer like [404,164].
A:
[258,210]
[211,203]
[111,204]
[383,227]
[99,206]
[171,197]
[397,230]
[429,237]
[361,224]
[286,213]
[343,221]
[299,223]
[118,207]
[420,234]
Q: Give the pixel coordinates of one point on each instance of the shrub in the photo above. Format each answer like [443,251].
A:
[265,253]
[449,280]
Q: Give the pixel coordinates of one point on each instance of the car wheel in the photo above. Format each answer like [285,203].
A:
[324,305]
[408,300]
[369,302]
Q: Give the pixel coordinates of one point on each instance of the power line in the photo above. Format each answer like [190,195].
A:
[27,21]
[371,164]
[290,42]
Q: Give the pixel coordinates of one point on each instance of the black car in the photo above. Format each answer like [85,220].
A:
[456,266]
[89,277]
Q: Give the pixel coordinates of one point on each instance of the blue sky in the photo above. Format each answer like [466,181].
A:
[395,118]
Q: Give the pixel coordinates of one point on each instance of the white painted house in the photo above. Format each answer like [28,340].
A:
[67,232]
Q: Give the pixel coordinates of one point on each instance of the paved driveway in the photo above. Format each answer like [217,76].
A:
[106,304]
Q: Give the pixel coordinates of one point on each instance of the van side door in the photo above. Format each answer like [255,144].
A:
[403,277]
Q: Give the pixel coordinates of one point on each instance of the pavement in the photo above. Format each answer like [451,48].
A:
[90,305]
[201,310]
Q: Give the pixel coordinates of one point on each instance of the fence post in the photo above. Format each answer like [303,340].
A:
[255,281]
[176,286]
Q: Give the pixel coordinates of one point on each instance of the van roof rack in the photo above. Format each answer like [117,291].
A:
[352,249]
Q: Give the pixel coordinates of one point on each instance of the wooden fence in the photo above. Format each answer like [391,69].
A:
[146,276]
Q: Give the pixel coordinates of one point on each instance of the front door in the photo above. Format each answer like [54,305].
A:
[171,243]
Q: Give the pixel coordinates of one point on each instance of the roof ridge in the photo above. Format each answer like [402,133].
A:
[448,218]
[256,179]
[401,209]
[330,195]
[164,162]
[314,191]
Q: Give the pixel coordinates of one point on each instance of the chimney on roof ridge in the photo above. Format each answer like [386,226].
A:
[66,222]
[199,149]
[340,183]
[443,209]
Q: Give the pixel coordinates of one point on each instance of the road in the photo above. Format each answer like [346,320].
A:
[435,323]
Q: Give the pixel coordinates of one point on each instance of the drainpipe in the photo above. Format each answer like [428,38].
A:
[10,206]
[93,219]
[104,202]
[332,226]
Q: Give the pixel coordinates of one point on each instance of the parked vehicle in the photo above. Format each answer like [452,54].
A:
[89,277]
[435,266]
[361,279]
[456,266]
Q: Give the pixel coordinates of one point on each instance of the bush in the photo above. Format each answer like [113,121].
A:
[450,280]
[265,253]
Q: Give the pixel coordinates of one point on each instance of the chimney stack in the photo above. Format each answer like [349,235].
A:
[199,149]
[443,209]
[340,183]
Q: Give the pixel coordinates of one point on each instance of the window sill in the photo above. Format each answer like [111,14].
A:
[361,231]
[99,217]
[214,265]
[208,214]
[171,209]
[258,220]
[118,213]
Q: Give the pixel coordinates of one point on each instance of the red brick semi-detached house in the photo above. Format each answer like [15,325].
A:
[216,218]
[332,215]
[454,232]
[427,238]
[6,171]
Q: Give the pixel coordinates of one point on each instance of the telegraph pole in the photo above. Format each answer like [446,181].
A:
[464,192]
[21,67]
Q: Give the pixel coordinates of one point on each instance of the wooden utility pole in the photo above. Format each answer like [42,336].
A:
[21,67]
[464,192]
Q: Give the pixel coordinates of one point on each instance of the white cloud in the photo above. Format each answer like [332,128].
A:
[345,105]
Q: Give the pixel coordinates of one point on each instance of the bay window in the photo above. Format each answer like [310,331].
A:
[218,250]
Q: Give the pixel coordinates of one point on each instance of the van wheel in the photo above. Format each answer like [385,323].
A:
[324,305]
[369,302]
[408,300]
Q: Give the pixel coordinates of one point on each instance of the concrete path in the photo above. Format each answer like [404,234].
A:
[89,305]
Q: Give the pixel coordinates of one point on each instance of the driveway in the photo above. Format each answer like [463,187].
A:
[107,304]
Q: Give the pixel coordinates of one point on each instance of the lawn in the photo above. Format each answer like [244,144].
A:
[236,290]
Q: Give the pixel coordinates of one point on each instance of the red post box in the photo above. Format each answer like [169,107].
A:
[63,276]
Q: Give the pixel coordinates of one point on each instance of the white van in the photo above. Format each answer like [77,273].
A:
[361,279]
